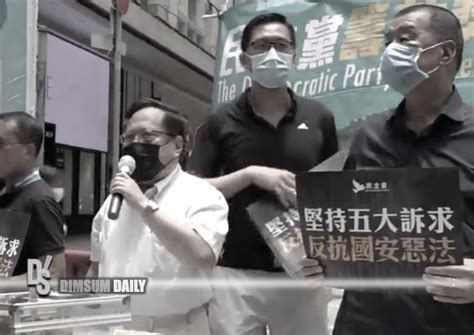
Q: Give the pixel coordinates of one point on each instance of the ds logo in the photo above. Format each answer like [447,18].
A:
[39,275]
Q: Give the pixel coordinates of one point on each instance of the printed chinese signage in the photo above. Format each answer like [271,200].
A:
[381,223]
[13,50]
[13,228]
[281,231]
[338,49]
[281,227]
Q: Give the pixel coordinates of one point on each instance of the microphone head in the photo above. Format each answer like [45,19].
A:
[127,164]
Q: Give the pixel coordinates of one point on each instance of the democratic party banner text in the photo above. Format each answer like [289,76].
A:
[338,50]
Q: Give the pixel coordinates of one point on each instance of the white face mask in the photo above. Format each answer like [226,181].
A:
[272,68]
[399,67]
[58,194]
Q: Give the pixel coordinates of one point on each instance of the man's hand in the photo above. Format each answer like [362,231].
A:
[280,182]
[451,284]
[123,184]
[312,270]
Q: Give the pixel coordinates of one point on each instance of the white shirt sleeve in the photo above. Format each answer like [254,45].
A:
[208,218]
[96,240]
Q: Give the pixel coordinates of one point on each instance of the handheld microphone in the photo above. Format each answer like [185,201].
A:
[126,165]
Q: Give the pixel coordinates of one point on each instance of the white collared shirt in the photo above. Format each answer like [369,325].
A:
[127,247]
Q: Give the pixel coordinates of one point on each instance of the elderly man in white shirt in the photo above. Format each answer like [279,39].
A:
[171,226]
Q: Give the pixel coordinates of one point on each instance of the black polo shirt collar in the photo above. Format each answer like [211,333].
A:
[32,177]
[245,109]
[452,109]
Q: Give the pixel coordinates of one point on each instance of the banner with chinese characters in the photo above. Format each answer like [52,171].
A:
[338,49]
[385,224]
[281,230]
[13,229]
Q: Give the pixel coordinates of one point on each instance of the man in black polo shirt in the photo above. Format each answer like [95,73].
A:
[21,138]
[250,148]
[432,127]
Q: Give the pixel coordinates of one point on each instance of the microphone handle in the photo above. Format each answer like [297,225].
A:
[115,205]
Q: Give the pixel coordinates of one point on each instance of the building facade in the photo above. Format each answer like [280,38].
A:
[169,56]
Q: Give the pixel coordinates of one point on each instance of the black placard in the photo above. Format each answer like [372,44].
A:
[381,223]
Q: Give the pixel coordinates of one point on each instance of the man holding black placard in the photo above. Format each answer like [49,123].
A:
[432,127]
[250,149]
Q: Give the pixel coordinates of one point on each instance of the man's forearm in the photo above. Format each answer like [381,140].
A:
[181,240]
[57,269]
[19,283]
[231,184]
[14,284]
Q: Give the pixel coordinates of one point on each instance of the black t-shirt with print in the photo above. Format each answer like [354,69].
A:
[45,234]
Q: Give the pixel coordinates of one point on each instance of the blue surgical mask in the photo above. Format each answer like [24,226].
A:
[399,67]
[272,68]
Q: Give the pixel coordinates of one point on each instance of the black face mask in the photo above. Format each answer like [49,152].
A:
[147,160]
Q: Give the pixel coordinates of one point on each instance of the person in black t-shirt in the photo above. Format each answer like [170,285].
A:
[21,138]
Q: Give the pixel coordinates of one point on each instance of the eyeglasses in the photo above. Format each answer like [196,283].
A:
[261,46]
[144,137]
